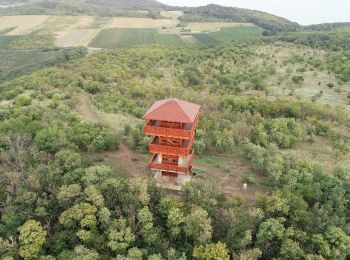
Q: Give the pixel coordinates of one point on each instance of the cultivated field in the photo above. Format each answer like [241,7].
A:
[126,22]
[109,32]
[24,24]
[126,38]
[215,26]
[236,33]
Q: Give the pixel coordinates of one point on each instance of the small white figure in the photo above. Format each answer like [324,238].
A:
[245,187]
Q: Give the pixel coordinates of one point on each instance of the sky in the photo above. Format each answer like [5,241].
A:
[304,12]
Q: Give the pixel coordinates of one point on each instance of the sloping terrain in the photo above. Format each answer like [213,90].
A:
[233,14]
[151,8]
[135,8]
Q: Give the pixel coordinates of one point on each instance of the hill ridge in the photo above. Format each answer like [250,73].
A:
[148,8]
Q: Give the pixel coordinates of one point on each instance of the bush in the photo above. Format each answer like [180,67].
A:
[90,137]
[283,132]
[23,101]
[51,139]
[192,77]
[330,85]
[247,179]
[298,79]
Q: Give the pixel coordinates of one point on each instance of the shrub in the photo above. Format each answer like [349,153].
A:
[284,132]
[51,139]
[298,79]
[90,137]
[247,179]
[23,101]
[330,85]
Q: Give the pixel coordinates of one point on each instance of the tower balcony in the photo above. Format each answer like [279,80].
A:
[184,165]
[184,150]
[153,127]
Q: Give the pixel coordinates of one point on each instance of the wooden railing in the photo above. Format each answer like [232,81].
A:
[163,149]
[149,129]
[171,168]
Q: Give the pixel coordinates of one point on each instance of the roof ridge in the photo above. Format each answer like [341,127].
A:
[183,111]
[173,109]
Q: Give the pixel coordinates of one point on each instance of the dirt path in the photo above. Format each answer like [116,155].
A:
[86,110]
[135,164]
[125,161]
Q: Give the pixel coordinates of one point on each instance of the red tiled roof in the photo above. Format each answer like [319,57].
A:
[173,110]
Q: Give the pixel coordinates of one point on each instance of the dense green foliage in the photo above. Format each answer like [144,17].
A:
[55,201]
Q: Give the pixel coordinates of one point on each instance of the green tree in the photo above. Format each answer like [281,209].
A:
[175,219]
[149,232]
[120,236]
[31,239]
[81,252]
[216,251]
[339,242]
[270,235]
[198,226]
[51,139]
[291,250]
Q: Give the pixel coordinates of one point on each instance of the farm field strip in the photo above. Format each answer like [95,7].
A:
[70,33]
[24,24]
[189,39]
[71,38]
[88,36]
[113,31]
[204,40]
[216,26]
[124,38]
[236,33]
[127,22]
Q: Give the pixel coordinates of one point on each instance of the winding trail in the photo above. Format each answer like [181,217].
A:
[86,110]
[133,163]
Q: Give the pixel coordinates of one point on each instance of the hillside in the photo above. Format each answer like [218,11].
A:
[75,181]
[233,14]
[87,7]
[133,7]
[263,122]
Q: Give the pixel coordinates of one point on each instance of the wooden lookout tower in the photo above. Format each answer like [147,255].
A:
[172,123]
